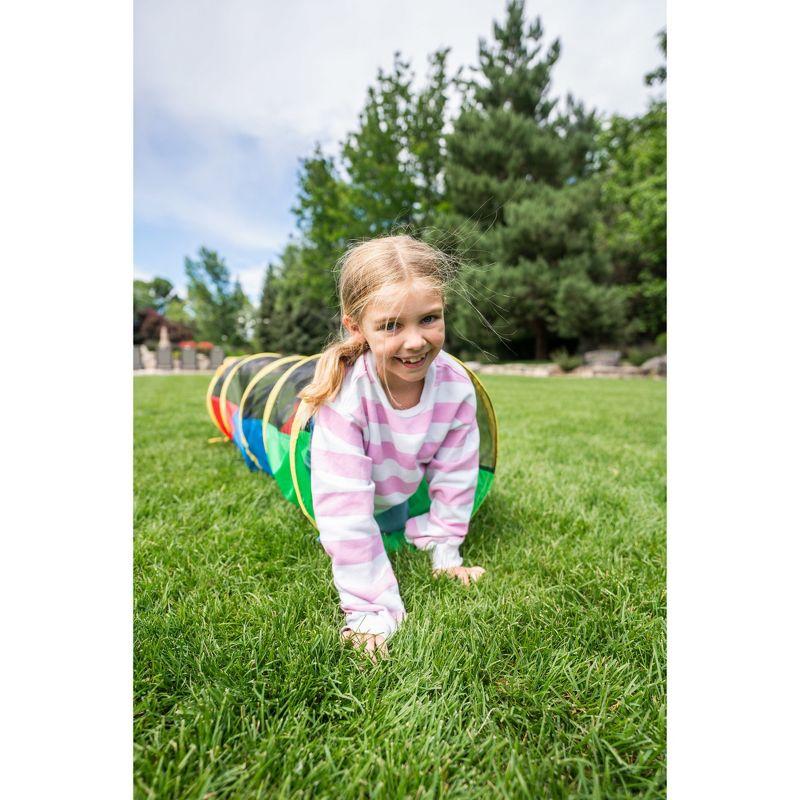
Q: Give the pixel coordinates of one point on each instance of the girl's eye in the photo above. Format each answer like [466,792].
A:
[392,326]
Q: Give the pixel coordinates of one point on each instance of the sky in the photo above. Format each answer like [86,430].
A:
[229,97]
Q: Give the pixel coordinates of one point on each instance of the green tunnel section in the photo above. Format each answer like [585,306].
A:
[419,503]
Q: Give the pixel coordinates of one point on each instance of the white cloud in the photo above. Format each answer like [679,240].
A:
[283,72]
[230,95]
[212,183]
[219,221]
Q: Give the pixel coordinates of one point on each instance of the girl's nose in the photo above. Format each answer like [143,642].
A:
[415,341]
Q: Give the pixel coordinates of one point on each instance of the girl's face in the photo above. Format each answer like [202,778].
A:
[404,328]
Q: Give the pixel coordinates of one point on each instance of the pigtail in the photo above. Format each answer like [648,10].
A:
[329,373]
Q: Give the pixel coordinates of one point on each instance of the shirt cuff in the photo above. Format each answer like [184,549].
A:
[444,556]
[383,624]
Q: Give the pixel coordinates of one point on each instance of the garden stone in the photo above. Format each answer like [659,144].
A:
[529,370]
[217,357]
[620,371]
[164,358]
[544,370]
[502,369]
[188,358]
[610,358]
[606,371]
[137,358]
[148,358]
[655,366]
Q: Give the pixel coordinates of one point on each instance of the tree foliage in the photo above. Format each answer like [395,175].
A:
[150,325]
[633,204]
[156,294]
[386,176]
[557,213]
[297,312]
[521,175]
[156,303]
[221,310]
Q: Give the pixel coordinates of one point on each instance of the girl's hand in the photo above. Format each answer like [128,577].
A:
[466,575]
[368,644]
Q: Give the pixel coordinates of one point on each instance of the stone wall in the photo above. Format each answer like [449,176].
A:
[148,359]
[655,367]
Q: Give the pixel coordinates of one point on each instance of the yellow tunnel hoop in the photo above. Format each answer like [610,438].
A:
[487,403]
[212,383]
[273,396]
[265,370]
[223,394]
[298,423]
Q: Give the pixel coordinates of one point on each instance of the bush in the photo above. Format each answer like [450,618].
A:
[239,352]
[201,347]
[566,361]
[661,343]
[638,355]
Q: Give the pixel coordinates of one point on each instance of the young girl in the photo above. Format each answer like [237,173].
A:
[391,407]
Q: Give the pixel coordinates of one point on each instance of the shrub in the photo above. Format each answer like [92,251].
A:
[149,328]
[566,361]
[201,347]
[638,355]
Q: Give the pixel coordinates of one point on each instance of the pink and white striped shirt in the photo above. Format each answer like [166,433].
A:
[367,457]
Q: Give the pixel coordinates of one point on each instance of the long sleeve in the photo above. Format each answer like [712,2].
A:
[452,475]
[344,502]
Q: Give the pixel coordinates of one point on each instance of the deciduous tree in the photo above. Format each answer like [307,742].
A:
[221,310]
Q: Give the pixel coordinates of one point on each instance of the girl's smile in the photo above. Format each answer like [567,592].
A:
[413,363]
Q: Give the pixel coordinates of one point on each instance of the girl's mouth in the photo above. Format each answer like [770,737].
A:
[411,364]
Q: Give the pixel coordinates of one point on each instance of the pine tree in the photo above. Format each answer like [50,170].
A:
[298,306]
[520,179]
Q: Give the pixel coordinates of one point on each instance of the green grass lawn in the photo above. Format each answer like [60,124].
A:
[546,679]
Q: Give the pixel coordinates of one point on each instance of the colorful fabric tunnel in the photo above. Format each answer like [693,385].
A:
[254,402]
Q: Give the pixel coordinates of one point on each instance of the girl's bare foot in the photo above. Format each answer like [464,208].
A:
[466,575]
[368,644]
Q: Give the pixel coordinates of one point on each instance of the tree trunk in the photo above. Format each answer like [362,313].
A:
[540,331]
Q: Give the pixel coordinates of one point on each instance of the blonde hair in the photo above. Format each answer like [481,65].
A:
[364,270]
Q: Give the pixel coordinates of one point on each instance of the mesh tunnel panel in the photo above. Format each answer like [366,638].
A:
[233,387]
[279,415]
[250,416]
[246,370]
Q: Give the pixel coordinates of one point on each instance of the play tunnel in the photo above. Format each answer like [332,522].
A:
[253,401]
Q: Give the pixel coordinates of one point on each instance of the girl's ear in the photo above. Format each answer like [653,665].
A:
[352,327]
